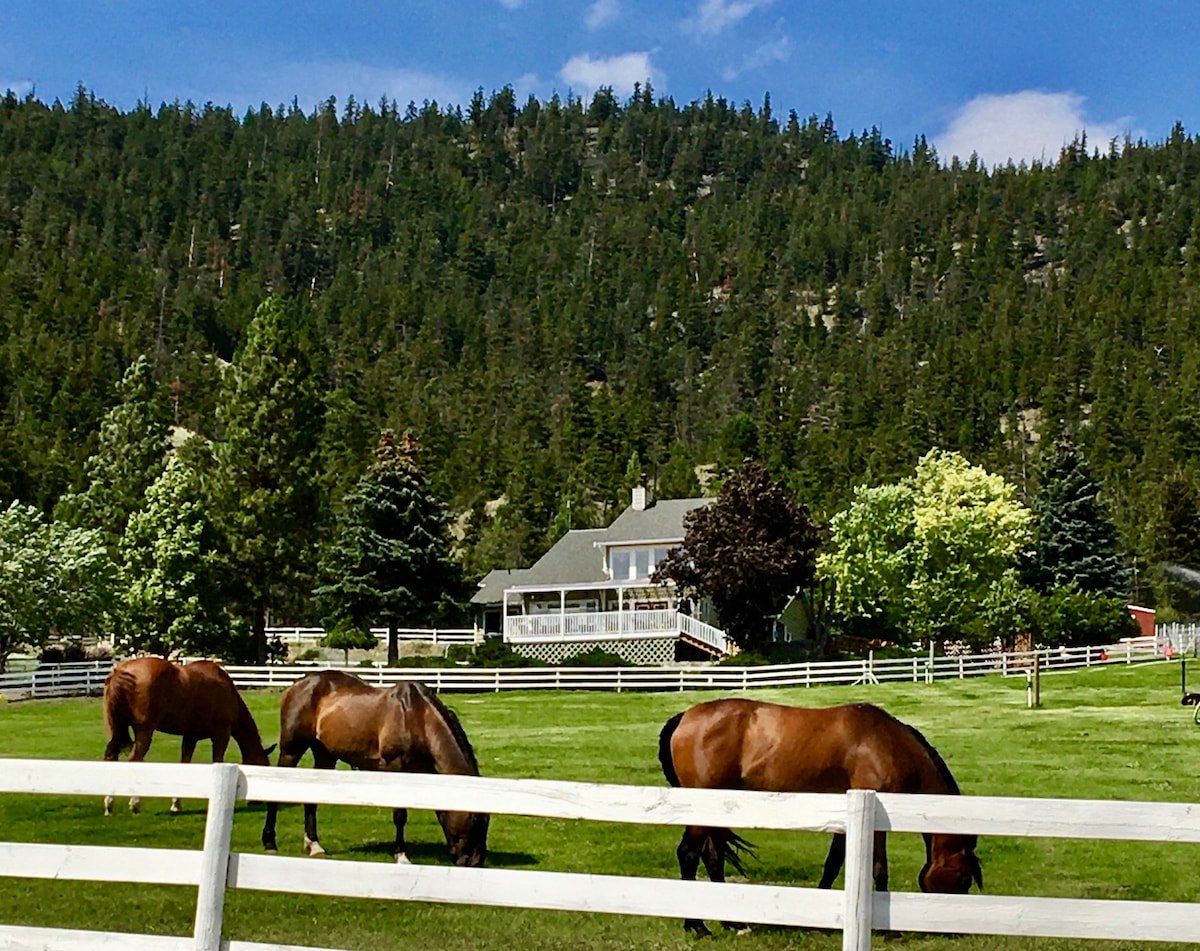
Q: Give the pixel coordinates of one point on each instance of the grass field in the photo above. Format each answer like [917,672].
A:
[1103,733]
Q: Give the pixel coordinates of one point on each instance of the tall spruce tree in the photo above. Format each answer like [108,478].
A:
[1076,543]
[390,556]
[134,439]
[266,500]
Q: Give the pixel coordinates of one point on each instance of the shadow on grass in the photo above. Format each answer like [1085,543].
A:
[434,853]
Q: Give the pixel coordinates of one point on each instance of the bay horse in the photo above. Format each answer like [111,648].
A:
[197,701]
[738,743]
[404,728]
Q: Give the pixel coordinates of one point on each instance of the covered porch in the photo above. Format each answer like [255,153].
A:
[610,612]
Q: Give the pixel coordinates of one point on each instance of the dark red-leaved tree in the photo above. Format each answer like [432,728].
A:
[748,553]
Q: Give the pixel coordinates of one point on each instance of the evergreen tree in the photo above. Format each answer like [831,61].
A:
[134,439]
[1075,543]
[749,551]
[389,560]
[265,496]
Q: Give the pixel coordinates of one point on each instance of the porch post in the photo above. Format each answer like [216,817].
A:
[620,610]
[562,613]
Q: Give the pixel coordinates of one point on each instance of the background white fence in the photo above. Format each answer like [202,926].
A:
[856,910]
[66,679]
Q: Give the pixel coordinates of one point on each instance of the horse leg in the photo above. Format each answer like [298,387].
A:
[879,867]
[141,746]
[399,817]
[834,860]
[712,853]
[322,759]
[268,832]
[688,853]
[112,752]
[185,756]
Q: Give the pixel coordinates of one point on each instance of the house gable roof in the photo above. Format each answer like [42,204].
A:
[661,521]
[577,558]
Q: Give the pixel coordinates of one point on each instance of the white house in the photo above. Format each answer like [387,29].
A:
[593,589]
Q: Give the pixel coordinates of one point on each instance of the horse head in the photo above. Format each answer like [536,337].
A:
[951,865]
[466,835]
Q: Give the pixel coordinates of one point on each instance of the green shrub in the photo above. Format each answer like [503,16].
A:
[596,657]
[1071,618]
[493,652]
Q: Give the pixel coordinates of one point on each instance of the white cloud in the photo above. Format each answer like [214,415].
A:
[1024,126]
[602,13]
[774,52]
[715,16]
[619,72]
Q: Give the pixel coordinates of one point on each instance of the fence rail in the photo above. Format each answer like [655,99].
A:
[67,679]
[856,910]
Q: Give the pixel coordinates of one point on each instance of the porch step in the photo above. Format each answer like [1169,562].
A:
[703,645]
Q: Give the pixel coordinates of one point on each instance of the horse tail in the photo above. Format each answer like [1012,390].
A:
[664,749]
[117,686]
[731,847]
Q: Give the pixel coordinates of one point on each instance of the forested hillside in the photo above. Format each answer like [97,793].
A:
[555,298]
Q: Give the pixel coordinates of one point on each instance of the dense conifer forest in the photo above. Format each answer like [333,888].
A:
[559,299]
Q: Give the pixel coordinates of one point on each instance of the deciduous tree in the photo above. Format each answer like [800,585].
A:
[748,552]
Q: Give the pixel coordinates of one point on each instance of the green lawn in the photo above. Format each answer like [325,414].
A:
[1112,733]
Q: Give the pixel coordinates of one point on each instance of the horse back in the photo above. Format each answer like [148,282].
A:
[744,744]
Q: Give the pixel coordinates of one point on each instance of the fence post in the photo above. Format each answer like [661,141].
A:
[214,862]
[860,857]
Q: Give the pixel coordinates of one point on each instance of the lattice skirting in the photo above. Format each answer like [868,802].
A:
[653,651]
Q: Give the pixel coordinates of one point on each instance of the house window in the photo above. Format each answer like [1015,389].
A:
[633,564]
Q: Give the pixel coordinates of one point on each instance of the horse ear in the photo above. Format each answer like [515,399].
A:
[270,749]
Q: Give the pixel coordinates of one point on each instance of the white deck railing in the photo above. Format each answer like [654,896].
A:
[856,910]
[610,626]
[589,625]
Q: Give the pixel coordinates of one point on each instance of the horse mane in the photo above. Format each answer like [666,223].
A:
[935,756]
[451,720]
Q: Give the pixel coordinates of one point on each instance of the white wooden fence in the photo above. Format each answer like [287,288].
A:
[855,910]
[66,679]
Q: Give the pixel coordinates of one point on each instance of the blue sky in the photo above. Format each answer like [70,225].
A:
[1003,79]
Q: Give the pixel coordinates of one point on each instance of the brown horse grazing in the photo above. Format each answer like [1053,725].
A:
[197,701]
[746,744]
[403,728]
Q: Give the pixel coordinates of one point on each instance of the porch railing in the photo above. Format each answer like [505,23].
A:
[609,625]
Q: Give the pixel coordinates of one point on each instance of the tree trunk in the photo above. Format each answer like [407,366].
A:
[393,641]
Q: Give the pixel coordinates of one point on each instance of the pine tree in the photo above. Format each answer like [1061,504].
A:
[134,439]
[390,558]
[1076,543]
[265,495]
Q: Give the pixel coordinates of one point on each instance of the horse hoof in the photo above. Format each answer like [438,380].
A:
[271,851]
[175,810]
[313,849]
[698,929]
[402,859]
[135,806]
